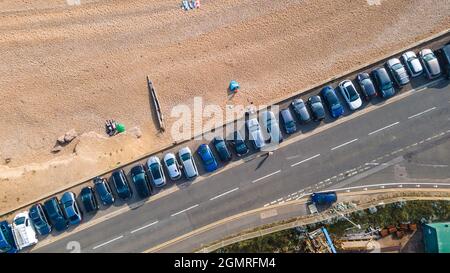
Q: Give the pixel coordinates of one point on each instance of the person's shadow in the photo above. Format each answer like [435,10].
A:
[266,156]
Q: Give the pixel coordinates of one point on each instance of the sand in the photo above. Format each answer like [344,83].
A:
[65,67]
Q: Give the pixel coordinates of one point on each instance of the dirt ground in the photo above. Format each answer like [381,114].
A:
[65,67]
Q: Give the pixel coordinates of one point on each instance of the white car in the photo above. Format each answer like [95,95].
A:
[172,166]
[273,128]
[430,63]
[412,63]
[350,94]
[156,171]
[23,231]
[256,136]
[187,160]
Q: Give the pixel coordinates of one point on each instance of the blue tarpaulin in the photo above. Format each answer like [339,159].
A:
[234,85]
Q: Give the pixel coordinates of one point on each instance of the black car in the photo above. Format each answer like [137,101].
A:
[55,214]
[383,82]
[140,181]
[444,55]
[88,199]
[121,184]
[317,109]
[239,144]
[367,87]
[40,219]
[221,148]
[104,191]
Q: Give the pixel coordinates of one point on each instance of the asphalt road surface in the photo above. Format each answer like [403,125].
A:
[373,139]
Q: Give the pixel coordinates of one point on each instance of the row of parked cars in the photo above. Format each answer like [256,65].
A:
[58,215]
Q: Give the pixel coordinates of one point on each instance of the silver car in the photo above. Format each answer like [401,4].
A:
[412,63]
[271,124]
[398,71]
[430,63]
[172,166]
[156,171]
[187,160]
[256,136]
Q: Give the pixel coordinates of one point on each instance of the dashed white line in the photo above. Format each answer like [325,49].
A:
[144,227]
[191,207]
[342,145]
[225,193]
[110,241]
[266,176]
[303,161]
[421,113]
[385,127]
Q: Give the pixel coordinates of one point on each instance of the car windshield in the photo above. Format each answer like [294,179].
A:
[387,86]
[332,98]
[397,66]
[220,145]
[428,57]
[74,217]
[170,162]
[154,168]
[67,204]
[138,177]
[185,156]
[352,93]
[20,221]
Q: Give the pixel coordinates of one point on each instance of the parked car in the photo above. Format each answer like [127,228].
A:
[121,184]
[412,64]
[188,162]
[39,219]
[156,172]
[430,63]
[172,166]
[271,124]
[222,149]
[140,181]
[398,72]
[332,101]
[300,110]
[255,134]
[23,231]
[87,197]
[288,121]
[317,109]
[71,208]
[383,83]
[207,157]
[237,141]
[367,87]
[350,94]
[7,243]
[445,58]
[55,214]
[104,191]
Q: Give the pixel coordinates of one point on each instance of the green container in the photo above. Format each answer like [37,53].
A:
[120,127]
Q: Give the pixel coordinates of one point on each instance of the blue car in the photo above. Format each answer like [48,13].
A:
[209,162]
[332,101]
[71,208]
[39,218]
[104,191]
[55,214]
[7,243]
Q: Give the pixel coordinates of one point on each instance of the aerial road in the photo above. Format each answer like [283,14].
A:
[370,139]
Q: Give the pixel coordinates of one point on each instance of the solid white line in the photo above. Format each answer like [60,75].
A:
[391,184]
[303,161]
[264,177]
[421,113]
[346,143]
[110,241]
[194,206]
[220,195]
[381,129]
[146,226]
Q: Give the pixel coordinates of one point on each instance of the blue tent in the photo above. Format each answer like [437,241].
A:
[234,85]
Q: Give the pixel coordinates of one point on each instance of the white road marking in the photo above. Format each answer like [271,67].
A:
[110,241]
[385,127]
[342,145]
[225,193]
[266,176]
[146,226]
[191,207]
[421,113]
[303,161]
